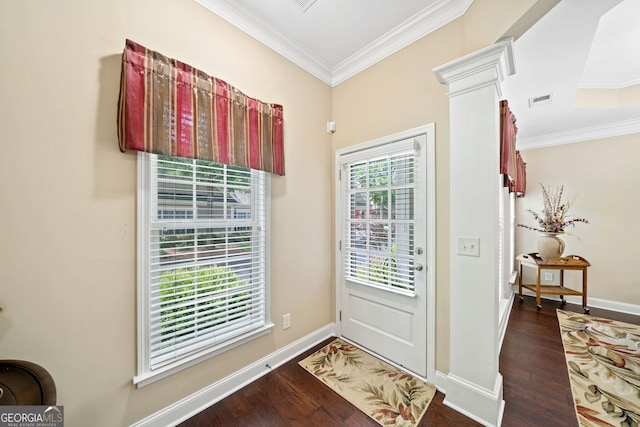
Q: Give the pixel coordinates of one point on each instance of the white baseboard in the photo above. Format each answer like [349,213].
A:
[184,409]
[441,382]
[481,405]
[505,310]
[621,307]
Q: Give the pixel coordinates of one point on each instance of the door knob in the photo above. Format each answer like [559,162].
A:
[417,267]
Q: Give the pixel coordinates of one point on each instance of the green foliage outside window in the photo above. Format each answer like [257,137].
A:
[199,298]
[381,270]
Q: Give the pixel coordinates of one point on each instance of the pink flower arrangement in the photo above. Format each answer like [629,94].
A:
[553,218]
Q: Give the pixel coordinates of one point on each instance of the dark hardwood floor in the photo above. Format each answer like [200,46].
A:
[536,385]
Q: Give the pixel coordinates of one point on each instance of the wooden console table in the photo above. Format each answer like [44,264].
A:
[571,262]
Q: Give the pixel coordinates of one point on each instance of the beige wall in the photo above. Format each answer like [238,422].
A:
[68,217]
[401,93]
[67,261]
[603,177]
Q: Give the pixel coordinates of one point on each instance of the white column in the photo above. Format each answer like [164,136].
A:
[474,385]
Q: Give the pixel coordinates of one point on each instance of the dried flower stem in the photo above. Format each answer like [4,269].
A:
[553,218]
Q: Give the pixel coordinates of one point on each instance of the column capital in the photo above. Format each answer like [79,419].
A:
[488,66]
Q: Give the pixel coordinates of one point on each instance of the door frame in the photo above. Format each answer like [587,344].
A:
[430,245]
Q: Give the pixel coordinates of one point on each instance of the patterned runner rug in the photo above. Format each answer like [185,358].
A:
[387,394]
[603,359]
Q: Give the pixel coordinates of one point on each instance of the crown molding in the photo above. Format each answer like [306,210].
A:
[440,13]
[488,66]
[601,84]
[580,135]
[286,47]
[430,19]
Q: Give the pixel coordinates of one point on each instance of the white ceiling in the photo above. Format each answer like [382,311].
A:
[336,39]
[581,47]
[577,46]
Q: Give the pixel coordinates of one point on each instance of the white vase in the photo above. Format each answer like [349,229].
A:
[550,246]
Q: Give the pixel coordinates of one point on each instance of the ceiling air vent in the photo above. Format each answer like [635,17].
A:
[304,4]
[540,100]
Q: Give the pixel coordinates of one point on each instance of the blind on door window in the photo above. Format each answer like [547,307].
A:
[206,255]
[380,222]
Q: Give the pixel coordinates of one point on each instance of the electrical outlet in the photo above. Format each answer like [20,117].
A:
[286,321]
[548,276]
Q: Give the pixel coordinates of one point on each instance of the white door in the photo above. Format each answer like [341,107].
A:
[382,266]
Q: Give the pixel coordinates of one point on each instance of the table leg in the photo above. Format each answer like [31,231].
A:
[538,303]
[520,284]
[584,290]
[563,301]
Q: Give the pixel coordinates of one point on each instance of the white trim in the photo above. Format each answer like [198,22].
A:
[621,307]
[146,378]
[608,84]
[441,382]
[185,408]
[283,45]
[146,374]
[431,241]
[142,274]
[485,67]
[448,383]
[480,404]
[360,153]
[617,306]
[429,20]
[506,304]
[585,134]
[406,134]
[475,87]
[429,131]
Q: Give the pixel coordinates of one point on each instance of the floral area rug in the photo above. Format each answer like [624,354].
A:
[387,394]
[603,359]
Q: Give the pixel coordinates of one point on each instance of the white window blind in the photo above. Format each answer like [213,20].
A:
[506,242]
[379,248]
[205,250]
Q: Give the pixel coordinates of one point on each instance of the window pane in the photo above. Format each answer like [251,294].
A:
[174,168]
[358,206]
[207,256]
[209,172]
[238,203]
[379,204]
[402,169]
[358,176]
[210,202]
[379,236]
[402,202]
[380,233]
[379,173]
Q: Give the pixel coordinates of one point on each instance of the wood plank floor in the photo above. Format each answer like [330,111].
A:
[536,385]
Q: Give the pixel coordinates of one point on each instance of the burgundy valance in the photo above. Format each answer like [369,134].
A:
[521,176]
[512,166]
[168,107]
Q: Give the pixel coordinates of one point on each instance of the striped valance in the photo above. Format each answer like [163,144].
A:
[511,164]
[170,108]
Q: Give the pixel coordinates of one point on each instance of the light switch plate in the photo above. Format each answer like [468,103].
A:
[469,246]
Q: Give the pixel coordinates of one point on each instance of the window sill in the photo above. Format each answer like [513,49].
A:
[145,378]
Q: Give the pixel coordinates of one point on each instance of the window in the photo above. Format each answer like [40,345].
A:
[203,261]
[380,222]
